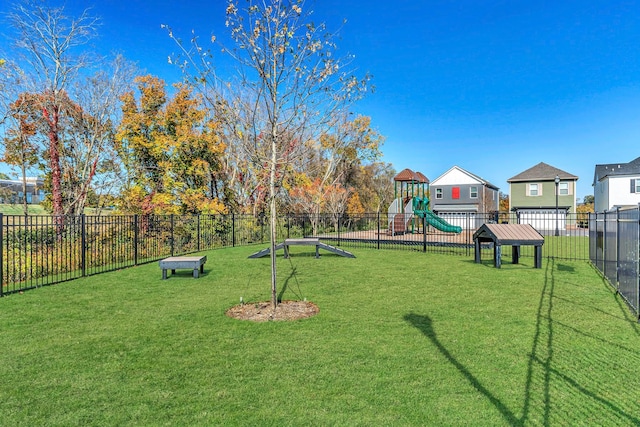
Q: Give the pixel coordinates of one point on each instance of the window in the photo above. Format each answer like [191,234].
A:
[473,192]
[438,193]
[455,193]
[563,189]
[635,185]
[533,190]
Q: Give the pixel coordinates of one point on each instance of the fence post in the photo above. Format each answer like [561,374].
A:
[378,230]
[198,231]
[637,264]
[617,247]
[135,239]
[83,243]
[424,233]
[1,254]
[233,229]
[171,238]
[338,230]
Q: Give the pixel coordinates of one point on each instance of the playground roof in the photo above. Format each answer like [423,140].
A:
[407,175]
[422,177]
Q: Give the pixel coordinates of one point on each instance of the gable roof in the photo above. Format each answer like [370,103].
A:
[474,176]
[542,172]
[613,169]
[407,175]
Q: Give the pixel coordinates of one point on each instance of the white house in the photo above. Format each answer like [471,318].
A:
[616,185]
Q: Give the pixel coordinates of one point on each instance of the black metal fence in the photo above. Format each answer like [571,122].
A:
[615,250]
[43,250]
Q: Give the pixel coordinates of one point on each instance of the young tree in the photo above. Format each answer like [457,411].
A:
[293,87]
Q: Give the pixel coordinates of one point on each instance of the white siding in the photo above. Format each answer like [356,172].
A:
[455,176]
[601,195]
[619,191]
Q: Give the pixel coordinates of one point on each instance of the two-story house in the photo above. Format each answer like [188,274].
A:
[543,196]
[616,185]
[459,195]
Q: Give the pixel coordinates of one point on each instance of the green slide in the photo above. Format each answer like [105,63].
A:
[421,209]
[440,224]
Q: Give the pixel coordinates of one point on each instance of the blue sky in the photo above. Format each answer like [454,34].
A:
[493,86]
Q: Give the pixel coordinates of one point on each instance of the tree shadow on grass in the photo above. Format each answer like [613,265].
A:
[540,356]
[425,325]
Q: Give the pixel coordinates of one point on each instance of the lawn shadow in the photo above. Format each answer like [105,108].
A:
[566,268]
[285,286]
[425,325]
[541,357]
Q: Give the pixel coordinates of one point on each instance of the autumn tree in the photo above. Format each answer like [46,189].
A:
[172,151]
[336,198]
[373,183]
[19,147]
[72,98]
[503,207]
[584,209]
[46,38]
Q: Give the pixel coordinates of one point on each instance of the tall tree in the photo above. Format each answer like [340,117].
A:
[172,151]
[46,39]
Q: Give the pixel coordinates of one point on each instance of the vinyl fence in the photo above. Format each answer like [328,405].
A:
[614,249]
[43,250]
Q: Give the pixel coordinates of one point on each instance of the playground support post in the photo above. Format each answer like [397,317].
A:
[424,233]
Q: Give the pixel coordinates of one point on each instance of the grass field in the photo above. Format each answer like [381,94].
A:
[402,338]
[18,209]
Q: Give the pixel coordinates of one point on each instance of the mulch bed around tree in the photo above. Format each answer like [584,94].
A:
[263,311]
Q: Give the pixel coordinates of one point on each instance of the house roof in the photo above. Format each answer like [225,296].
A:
[407,175]
[542,172]
[613,169]
[472,175]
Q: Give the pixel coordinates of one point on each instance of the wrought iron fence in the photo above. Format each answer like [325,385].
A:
[43,250]
[615,250]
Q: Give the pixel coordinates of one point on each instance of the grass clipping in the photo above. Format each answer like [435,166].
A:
[264,312]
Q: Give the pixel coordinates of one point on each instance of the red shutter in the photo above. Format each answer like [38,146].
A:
[455,193]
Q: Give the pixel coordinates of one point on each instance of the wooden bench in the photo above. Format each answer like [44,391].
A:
[195,263]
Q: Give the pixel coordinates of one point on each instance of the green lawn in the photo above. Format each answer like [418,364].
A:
[402,338]
[18,209]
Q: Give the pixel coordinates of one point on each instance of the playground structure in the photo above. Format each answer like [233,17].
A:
[410,207]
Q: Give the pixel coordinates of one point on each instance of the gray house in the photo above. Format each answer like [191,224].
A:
[459,195]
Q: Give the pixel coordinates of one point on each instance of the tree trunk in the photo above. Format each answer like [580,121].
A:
[56,173]
[25,206]
[54,158]
[274,219]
